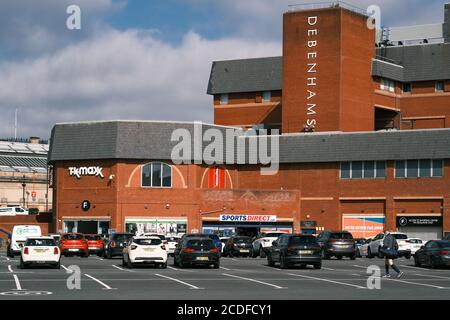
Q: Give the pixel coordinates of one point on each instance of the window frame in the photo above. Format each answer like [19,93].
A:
[162,164]
[387,85]
[432,174]
[269,94]
[436,86]
[224,99]
[404,84]
[375,177]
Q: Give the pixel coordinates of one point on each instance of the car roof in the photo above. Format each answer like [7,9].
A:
[146,237]
[199,238]
[41,238]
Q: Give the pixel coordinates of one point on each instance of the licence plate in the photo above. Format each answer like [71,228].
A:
[245,250]
[305,252]
[149,249]
[202,258]
[73,250]
[342,246]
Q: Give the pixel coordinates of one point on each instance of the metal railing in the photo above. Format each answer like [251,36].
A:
[325,5]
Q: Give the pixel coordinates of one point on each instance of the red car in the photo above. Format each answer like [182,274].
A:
[95,244]
[74,244]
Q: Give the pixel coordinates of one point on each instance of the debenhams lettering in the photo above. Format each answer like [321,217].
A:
[86,171]
[311,106]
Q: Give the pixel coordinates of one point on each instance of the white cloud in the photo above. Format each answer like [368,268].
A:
[118,75]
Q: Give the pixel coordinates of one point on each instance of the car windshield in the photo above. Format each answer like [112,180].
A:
[73,237]
[415,241]
[400,236]
[172,239]
[360,241]
[93,237]
[147,242]
[243,240]
[199,244]
[341,235]
[295,241]
[122,237]
[273,234]
[444,244]
[40,243]
[215,237]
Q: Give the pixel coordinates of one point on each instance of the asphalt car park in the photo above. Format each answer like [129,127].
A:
[237,278]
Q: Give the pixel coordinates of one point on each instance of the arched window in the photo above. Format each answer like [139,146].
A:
[157,175]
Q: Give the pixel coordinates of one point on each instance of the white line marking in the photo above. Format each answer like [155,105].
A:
[355,274]
[328,269]
[179,281]
[253,280]
[98,258]
[225,268]
[429,275]
[67,269]
[16,279]
[8,259]
[10,269]
[98,281]
[326,280]
[359,266]
[416,283]
[176,269]
[117,267]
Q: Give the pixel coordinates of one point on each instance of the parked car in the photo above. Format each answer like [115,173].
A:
[161,236]
[196,251]
[238,246]
[363,248]
[415,244]
[56,237]
[295,249]
[434,253]
[145,250]
[115,243]
[359,242]
[74,244]
[262,244]
[40,251]
[19,236]
[215,238]
[404,249]
[337,244]
[13,211]
[95,244]
[172,241]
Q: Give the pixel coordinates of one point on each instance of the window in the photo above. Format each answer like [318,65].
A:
[407,87]
[266,96]
[440,87]
[387,85]
[157,175]
[224,98]
[363,170]
[419,168]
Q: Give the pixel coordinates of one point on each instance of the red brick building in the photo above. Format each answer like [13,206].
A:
[365,144]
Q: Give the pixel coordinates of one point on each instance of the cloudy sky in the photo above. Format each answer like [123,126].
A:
[138,59]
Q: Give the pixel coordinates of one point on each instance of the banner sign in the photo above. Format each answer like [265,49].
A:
[247,218]
[410,221]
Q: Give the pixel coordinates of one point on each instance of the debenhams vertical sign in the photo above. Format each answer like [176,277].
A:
[311,79]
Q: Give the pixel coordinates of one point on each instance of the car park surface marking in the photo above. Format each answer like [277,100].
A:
[10,269]
[121,269]
[16,280]
[225,268]
[253,280]
[67,269]
[327,280]
[432,276]
[98,281]
[329,269]
[179,281]
[417,284]
[418,268]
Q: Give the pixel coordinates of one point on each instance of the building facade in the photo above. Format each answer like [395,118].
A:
[365,144]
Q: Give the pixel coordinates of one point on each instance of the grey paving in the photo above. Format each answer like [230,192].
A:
[240,278]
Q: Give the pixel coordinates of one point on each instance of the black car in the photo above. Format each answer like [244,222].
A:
[435,253]
[196,251]
[115,243]
[215,238]
[295,249]
[238,246]
[337,244]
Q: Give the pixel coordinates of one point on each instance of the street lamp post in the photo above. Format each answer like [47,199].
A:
[24,185]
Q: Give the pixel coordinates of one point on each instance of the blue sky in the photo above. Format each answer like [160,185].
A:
[138,59]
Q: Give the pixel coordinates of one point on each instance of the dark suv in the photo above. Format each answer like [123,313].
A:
[196,251]
[337,244]
[115,243]
[295,249]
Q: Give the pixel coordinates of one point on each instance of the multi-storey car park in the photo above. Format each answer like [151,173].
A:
[364,144]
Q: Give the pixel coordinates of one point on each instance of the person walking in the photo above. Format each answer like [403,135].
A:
[390,250]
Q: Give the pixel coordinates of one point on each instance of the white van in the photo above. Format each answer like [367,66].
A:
[19,236]
[13,211]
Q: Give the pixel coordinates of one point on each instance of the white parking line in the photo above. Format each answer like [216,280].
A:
[98,281]
[327,280]
[417,284]
[98,258]
[16,279]
[355,265]
[67,269]
[429,275]
[119,268]
[10,269]
[253,280]
[179,281]
[176,269]
[328,269]
[225,268]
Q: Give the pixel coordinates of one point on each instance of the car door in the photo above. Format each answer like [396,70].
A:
[275,250]
[423,255]
[431,250]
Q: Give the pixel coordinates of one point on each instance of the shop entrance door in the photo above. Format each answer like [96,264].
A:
[88,227]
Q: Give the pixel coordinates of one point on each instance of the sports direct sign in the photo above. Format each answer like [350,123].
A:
[247,218]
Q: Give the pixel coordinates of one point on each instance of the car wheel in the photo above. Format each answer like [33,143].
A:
[22,264]
[86,254]
[433,263]
[318,266]
[175,262]
[124,264]
[339,257]
[283,264]
[352,257]
[408,256]
[369,253]
[163,265]
[216,266]
[253,253]
[181,264]
[262,254]
[101,254]
[129,264]
[58,265]
[9,253]
[417,262]
[270,261]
